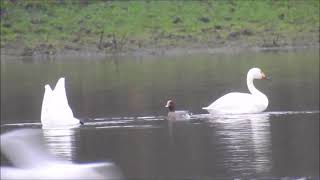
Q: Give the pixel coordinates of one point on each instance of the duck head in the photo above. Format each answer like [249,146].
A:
[170,105]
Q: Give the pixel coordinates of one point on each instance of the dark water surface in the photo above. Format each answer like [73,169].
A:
[124,99]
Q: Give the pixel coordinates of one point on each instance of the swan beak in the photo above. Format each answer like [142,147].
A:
[263,76]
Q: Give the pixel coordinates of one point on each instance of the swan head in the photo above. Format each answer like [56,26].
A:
[256,73]
[170,105]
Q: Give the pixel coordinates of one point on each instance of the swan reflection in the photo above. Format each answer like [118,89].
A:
[247,141]
[61,142]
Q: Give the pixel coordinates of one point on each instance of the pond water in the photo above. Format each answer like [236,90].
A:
[121,100]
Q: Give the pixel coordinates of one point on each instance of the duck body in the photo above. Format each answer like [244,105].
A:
[174,115]
[242,103]
[178,115]
[55,111]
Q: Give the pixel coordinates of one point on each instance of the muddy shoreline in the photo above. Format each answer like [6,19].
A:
[45,52]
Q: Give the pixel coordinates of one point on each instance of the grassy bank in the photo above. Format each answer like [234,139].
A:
[51,25]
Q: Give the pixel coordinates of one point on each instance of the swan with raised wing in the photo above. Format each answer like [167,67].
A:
[55,111]
[242,103]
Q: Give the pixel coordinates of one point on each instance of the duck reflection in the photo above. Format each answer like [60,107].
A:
[246,142]
[61,142]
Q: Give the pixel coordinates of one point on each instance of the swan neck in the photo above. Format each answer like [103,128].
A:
[253,90]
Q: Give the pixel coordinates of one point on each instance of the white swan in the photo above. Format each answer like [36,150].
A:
[241,103]
[31,160]
[55,111]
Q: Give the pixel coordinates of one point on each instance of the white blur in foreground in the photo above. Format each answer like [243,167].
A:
[31,160]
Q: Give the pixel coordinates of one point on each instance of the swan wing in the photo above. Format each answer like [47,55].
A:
[61,101]
[25,149]
[63,171]
[104,169]
[32,160]
[45,108]
[233,103]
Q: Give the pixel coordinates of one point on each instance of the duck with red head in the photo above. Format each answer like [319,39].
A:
[174,115]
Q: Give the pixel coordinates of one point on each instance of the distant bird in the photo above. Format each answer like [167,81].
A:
[31,160]
[241,103]
[176,115]
[55,111]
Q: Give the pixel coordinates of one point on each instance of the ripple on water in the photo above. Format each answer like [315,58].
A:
[116,122]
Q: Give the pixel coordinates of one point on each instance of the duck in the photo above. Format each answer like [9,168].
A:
[55,110]
[31,159]
[174,115]
[242,103]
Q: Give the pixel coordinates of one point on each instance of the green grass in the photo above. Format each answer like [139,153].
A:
[153,22]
